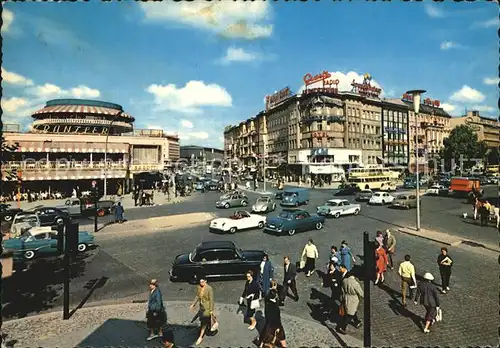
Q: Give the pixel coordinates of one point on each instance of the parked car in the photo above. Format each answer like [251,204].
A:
[7,213]
[235,199]
[388,187]
[338,207]
[295,197]
[364,195]
[410,184]
[405,201]
[215,259]
[278,196]
[199,186]
[346,191]
[211,185]
[240,220]
[290,221]
[22,222]
[51,216]
[39,242]
[264,204]
[85,206]
[381,198]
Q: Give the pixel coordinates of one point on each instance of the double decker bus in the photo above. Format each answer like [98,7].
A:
[371,178]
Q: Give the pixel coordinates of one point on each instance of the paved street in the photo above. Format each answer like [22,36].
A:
[127,263]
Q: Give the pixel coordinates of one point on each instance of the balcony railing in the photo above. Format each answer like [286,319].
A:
[81,121]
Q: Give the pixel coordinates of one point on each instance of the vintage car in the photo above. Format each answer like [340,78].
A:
[215,259]
[240,220]
[388,187]
[406,201]
[22,222]
[278,195]
[290,221]
[264,204]
[338,207]
[39,242]
[381,198]
[7,213]
[364,195]
[345,191]
[211,185]
[235,199]
[51,216]
[436,190]
[199,186]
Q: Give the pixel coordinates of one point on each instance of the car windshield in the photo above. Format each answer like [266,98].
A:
[25,236]
[289,194]
[29,219]
[285,215]
[226,196]
[262,200]
[402,197]
[331,204]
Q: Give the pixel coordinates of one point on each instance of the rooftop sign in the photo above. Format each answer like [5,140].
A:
[276,98]
[427,101]
[329,86]
[366,89]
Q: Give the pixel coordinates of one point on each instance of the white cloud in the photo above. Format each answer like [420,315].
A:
[448,107]
[199,135]
[154,127]
[228,18]
[491,80]
[221,139]
[482,108]
[50,90]
[7,18]
[433,11]
[186,124]
[234,54]
[191,97]
[345,81]
[12,105]
[84,92]
[446,45]
[467,95]
[15,79]
[493,22]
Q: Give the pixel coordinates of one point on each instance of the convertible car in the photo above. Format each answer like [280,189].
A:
[290,221]
[240,220]
[264,205]
[42,241]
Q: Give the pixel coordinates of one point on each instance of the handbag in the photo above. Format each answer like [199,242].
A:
[439,315]
[302,264]
[254,304]
[241,302]
[214,323]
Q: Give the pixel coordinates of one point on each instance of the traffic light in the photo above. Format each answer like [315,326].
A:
[71,234]
[60,238]
[369,248]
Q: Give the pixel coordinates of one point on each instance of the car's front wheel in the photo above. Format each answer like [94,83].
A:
[82,247]
[336,215]
[261,224]
[356,212]
[29,255]
[291,232]
[59,221]
[233,230]
[227,206]
[319,225]
[7,218]
[244,203]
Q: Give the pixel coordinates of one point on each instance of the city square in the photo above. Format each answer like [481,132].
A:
[274,189]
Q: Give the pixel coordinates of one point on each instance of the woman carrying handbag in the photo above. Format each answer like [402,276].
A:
[156,315]
[251,294]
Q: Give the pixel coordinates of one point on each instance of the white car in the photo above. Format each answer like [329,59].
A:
[434,190]
[381,198]
[22,222]
[240,220]
[388,187]
[338,207]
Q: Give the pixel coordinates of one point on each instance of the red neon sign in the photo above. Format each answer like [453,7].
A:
[427,101]
[310,79]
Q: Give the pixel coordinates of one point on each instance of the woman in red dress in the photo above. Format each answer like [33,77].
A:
[381,263]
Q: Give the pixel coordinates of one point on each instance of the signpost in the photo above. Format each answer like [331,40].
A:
[369,272]
[70,231]
[95,195]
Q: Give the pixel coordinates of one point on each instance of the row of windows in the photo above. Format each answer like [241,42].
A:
[364,114]
[395,148]
[397,136]
[395,116]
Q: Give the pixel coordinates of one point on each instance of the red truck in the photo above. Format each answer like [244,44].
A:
[463,186]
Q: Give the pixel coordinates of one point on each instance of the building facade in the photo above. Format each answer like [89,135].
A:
[58,156]
[395,128]
[199,155]
[487,129]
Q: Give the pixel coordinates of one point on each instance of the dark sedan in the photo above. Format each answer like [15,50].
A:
[51,216]
[346,191]
[217,259]
[290,221]
[7,213]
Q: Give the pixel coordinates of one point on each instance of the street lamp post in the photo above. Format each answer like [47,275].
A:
[106,154]
[417,96]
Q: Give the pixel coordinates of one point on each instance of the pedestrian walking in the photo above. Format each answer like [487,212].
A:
[251,294]
[408,279]
[351,295]
[346,257]
[310,253]
[334,257]
[444,263]
[289,281]
[427,295]
[380,238]
[119,212]
[390,244]
[266,275]
[205,298]
[273,331]
[484,214]
[333,279]
[476,207]
[156,315]
[381,263]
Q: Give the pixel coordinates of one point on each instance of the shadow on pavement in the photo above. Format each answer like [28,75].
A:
[38,288]
[133,333]
[396,306]
[91,286]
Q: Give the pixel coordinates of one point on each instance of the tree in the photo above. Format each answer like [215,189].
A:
[493,156]
[462,144]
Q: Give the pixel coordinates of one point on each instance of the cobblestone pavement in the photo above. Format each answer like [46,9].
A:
[129,262]
[124,325]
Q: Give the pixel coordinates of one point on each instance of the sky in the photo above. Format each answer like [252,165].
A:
[194,67]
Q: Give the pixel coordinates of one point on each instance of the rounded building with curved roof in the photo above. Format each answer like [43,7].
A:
[82,116]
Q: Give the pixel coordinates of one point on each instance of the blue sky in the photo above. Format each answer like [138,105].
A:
[193,68]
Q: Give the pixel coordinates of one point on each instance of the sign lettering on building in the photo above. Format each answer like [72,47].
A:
[98,130]
[366,89]
[276,98]
[329,86]
[428,101]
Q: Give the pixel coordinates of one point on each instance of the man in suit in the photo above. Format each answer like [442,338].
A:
[289,281]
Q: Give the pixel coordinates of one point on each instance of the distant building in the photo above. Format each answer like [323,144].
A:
[487,129]
[200,155]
